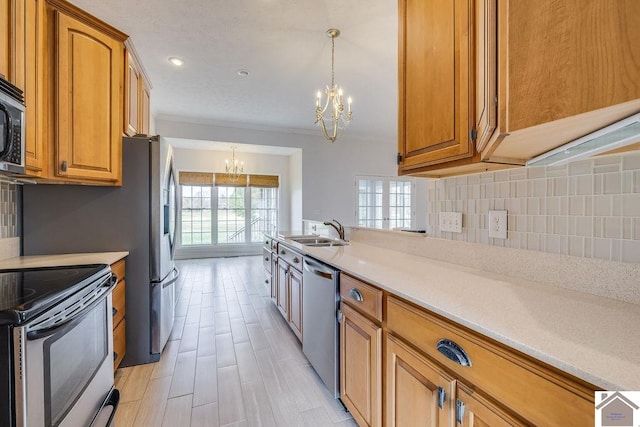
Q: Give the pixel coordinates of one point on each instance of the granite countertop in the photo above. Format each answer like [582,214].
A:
[593,338]
[62,259]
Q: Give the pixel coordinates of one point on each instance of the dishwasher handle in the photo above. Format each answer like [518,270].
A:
[318,270]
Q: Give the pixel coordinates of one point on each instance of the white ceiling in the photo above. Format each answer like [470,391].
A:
[282,43]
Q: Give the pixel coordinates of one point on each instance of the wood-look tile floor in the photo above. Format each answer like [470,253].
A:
[231,360]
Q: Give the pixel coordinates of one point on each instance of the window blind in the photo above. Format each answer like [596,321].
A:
[222,179]
[264,181]
[195,178]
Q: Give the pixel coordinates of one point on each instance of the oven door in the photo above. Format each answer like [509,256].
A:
[68,369]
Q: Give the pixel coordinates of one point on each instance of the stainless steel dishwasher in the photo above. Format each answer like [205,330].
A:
[320,337]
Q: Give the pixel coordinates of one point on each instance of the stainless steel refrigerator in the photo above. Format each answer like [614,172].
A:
[138,217]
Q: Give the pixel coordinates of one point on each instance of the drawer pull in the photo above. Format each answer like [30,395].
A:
[266,258]
[282,252]
[442,395]
[356,295]
[453,352]
[459,411]
[296,260]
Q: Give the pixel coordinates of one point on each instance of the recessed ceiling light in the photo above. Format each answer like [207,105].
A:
[243,73]
[176,61]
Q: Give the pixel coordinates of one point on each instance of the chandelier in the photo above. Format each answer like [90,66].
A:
[337,119]
[233,169]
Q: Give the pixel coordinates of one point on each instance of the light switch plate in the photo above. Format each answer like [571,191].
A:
[498,224]
[450,221]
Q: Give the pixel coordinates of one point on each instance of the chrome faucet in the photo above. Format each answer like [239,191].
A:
[337,226]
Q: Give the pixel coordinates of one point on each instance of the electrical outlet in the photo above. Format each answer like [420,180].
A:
[498,224]
[450,221]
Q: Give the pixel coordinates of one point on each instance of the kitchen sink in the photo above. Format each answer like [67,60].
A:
[317,241]
[312,240]
[324,244]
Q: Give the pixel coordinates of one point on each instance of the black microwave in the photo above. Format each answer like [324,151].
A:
[12,129]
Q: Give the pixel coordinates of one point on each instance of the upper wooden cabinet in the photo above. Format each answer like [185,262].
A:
[434,78]
[12,41]
[484,84]
[87,98]
[35,132]
[74,70]
[137,93]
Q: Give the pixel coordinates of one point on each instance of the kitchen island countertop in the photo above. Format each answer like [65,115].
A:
[34,261]
[591,337]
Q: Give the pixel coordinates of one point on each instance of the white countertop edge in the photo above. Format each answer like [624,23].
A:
[35,261]
[348,262]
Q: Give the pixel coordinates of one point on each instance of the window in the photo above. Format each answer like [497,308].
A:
[231,215]
[264,212]
[384,202]
[226,214]
[196,215]
[370,203]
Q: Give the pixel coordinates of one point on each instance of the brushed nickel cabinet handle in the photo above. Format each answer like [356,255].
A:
[63,166]
[453,351]
[459,411]
[442,395]
[356,295]
[296,260]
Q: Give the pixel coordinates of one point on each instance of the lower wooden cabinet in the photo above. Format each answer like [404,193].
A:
[418,393]
[288,295]
[273,277]
[438,373]
[282,289]
[118,298]
[119,343]
[295,302]
[474,410]
[361,367]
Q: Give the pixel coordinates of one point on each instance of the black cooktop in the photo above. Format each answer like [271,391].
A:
[25,293]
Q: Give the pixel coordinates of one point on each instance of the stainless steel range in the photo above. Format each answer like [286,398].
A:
[56,351]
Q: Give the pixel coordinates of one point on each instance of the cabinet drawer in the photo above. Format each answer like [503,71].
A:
[293,258]
[266,259]
[118,303]
[118,269]
[362,296]
[540,394]
[119,343]
[267,243]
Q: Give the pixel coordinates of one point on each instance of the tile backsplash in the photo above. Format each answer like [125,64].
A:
[8,210]
[589,208]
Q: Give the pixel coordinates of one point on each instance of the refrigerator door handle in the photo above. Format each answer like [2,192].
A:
[175,273]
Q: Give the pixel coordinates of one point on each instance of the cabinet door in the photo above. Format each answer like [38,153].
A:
[418,392]
[474,410]
[132,97]
[486,89]
[145,109]
[282,294]
[295,298]
[12,41]
[274,276]
[88,98]
[35,161]
[434,82]
[361,367]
